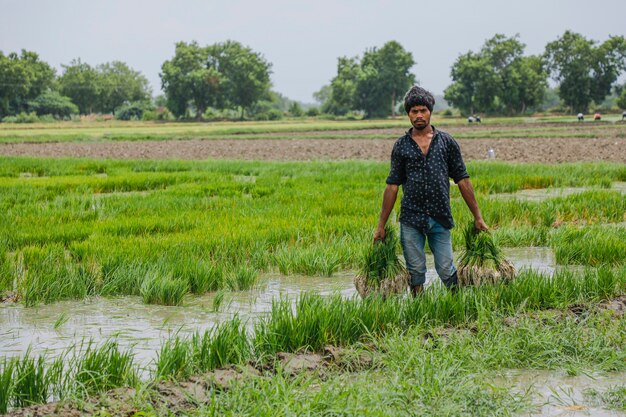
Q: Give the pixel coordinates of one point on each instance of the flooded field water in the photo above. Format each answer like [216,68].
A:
[557,394]
[541,194]
[55,327]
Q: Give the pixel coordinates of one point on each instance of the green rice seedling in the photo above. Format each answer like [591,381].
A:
[592,245]
[242,278]
[123,276]
[381,270]
[164,290]
[32,383]
[61,320]
[100,369]
[226,344]
[310,260]
[482,261]
[218,299]
[7,368]
[202,276]
[52,276]
[612,398]
[173,360]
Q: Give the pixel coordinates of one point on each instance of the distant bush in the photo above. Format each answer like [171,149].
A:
[313,112]
[274,114]
[447,113]
[295,109]
[149,115]
[22,118]
[163,113]
[47,118]
[130,111]
[53,103]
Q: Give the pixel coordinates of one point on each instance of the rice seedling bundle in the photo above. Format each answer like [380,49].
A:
[381,271]
[482,261]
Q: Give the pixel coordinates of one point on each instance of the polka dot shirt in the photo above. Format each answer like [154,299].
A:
[424,179]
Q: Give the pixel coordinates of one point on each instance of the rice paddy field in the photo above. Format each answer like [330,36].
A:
[141,274]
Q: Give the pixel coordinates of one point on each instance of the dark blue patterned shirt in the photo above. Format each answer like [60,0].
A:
[425,179]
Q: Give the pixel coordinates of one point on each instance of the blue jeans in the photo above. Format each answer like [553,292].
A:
[440,243]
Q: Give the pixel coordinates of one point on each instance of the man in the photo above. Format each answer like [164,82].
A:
[624,115]
[422,161]
[581,117]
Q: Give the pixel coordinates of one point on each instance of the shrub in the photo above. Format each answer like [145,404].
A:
[130,111]
[274,114]
[313,112]
[53,103]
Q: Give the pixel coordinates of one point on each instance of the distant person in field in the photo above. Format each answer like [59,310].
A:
[477,118]
[581,117]
[624,115]
[470,119]
[422,161]
[597,116]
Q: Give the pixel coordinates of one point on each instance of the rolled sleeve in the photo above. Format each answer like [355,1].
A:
[397,173]
[456,165]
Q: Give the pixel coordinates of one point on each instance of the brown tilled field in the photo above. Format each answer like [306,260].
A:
[544,143]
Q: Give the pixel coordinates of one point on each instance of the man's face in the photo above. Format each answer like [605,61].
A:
[419,117]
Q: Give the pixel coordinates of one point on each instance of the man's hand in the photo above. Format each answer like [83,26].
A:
[379,234]
[480,225]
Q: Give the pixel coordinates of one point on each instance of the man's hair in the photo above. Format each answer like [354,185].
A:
[417,96]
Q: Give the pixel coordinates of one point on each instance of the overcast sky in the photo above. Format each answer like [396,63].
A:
[302,39]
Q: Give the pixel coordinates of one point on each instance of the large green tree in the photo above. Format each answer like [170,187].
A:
[119,84]
[189,78]
[22,78]
[221,75]
[474,84]
[51,102]
[246,74]
[584,70]
[499,78]
[373,84]
[343,87]
[385,77]
[80,83]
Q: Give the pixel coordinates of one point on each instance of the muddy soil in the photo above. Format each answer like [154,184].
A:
[603,142]
[546,150]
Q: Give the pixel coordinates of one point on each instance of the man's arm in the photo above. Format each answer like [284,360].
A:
[389,200]
[467,191]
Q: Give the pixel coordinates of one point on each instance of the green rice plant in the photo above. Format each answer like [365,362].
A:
[613,398]
[591,245]
[481,249]
[218,299]
[226,344]
[7,381]
[242,278]
[173,360]
[482,261]
[201,276]
[99,369]
[310,260]
[164,290]
[123,276]
[61,320]
[52,276]
[519,236]
[31,382]
[380,262]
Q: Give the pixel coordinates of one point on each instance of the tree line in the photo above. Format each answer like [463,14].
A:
[206,81]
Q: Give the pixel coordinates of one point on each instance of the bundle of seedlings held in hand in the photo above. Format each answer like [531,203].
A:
[381,271]
[482,261]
